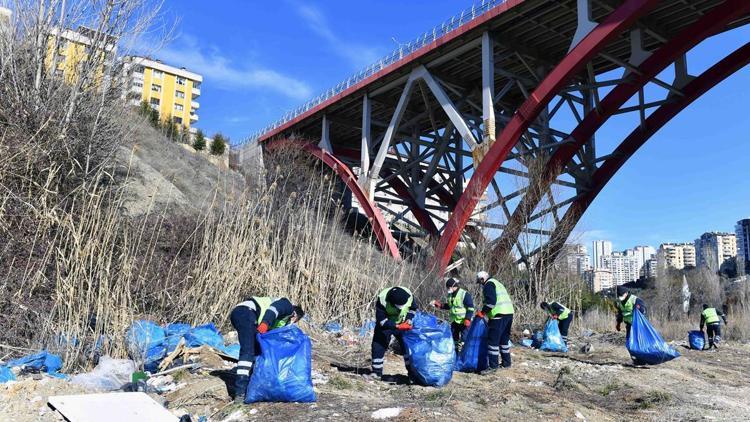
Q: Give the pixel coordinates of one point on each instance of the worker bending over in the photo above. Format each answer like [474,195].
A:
[710,317]
[626,304]
[561,314]
[395,308]
[258,315]
[461,308]
[498,308]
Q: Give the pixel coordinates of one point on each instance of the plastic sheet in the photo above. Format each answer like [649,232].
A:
[174,333]
[232,350]
[697,340]
[431,351]
[146,342]
[42,361]
[473,356]
[283,371]
[205,334]
[553,341]
[6,375]
[109,375]
[645,344]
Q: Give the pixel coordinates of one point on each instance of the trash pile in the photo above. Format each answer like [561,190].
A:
[41,362]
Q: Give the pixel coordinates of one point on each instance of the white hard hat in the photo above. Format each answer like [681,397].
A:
[482,275]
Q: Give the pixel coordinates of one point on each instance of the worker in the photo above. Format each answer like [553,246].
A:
[710,317]
[258,315]
[626,304]
[560,313]
[498,309]
[461,308]
[395,308]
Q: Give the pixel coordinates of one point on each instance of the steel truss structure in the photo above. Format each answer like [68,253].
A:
[488,134]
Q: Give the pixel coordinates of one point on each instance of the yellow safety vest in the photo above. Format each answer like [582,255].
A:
[394,314]
[503,305]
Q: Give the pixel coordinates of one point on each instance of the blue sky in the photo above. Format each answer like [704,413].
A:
[260,59]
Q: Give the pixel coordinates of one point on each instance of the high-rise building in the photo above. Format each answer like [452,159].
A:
[576,258]
[5,18]
[71,52]
[742,231]
[599,279]
[676,256]
[642,255]
[651,268]
[713,249]
[601,248]
[623,265]
[172,91]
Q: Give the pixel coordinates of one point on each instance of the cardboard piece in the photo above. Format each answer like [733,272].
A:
[111,407]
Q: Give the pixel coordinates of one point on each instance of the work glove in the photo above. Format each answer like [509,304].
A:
[404,326]
[436,304]
[263,328]
[467,323]
[638,307]
[617,327]
[480,314]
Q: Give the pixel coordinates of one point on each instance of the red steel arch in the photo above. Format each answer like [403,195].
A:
[660,117]
[615,24]
[379,226]
[708,25]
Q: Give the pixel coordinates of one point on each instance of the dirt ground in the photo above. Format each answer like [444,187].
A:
[599,386]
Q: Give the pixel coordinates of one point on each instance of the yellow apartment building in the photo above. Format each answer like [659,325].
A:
[170,90]
[69,53]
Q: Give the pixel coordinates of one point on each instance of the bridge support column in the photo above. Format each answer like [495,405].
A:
[325,136]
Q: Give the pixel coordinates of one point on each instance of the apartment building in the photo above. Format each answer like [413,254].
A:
[623,266]
[170,90]
[713,249]
[742,232]
[601,249]
[599,279]
[5,18]
[72,54]
[575,258]
[675,256]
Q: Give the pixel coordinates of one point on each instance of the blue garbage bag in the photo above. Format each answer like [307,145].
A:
[537,339]
[645,344]
[42,361]
[367,327]
[473,356]
[283,371]
[333,327]
[527,342]
[205,334]
[696,339]
[6,375]
[146,341]
[430,347]
[553,341]
[174,333]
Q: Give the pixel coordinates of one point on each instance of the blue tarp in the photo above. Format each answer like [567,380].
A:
[473,356]
[205,334]
[6,375]
[146,341]
[42,361]
[431,350]
[174,333]
[696,339]
[553,341]
[283,371]
[232,350]
[645,344]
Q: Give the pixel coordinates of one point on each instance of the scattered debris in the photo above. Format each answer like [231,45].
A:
[109,375]
[387,413]
[113,407]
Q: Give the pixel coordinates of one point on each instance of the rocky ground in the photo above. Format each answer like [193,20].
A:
[598,386]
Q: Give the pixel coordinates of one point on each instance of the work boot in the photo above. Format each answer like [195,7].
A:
[240,387]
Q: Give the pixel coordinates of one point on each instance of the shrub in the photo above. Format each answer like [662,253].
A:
[199,143]
[219,144]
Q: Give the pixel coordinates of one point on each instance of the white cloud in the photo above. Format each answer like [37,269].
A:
[219,70]
[357,54]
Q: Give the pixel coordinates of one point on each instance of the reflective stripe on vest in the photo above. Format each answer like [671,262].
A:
[627,308]
[563,315]
[456,306]
[394,314]
[710,315]
[503,305]
[264,303]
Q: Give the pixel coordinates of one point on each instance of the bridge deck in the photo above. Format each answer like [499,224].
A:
[530,36]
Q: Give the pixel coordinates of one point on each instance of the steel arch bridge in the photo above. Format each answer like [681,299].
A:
[485,128]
